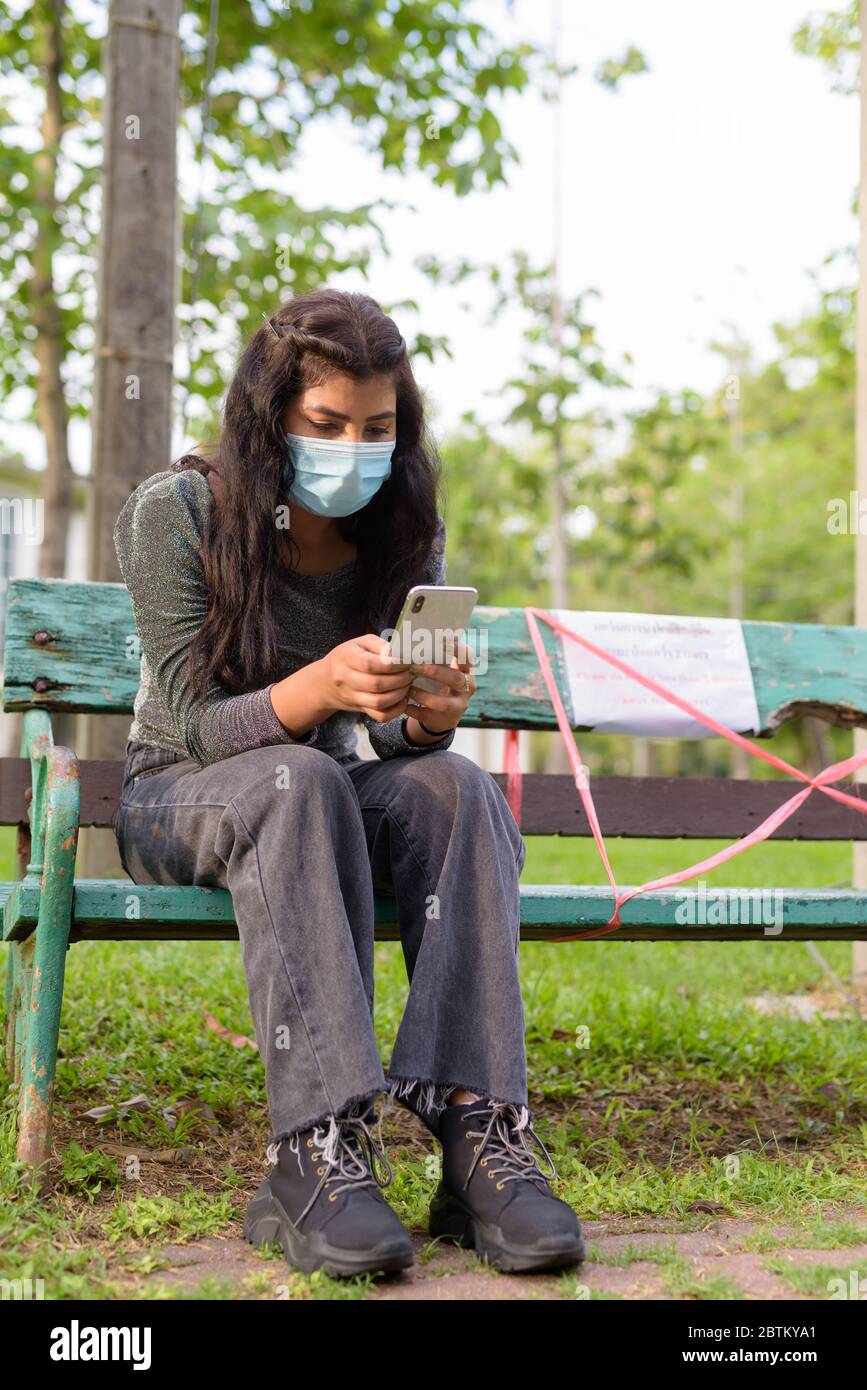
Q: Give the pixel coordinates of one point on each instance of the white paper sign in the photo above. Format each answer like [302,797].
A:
[704,660]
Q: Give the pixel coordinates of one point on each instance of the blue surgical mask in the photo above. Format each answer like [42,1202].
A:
[333,477]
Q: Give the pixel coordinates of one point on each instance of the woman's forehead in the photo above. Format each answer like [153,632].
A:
[351,396]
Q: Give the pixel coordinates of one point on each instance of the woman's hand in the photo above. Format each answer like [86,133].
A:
[360,676]
[457,685]
[356,676]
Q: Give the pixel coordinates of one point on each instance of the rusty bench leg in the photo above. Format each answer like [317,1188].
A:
[43,958]
[11,1009]
[22,964]
[40,1023]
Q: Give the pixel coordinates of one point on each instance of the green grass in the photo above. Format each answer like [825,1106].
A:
[819,1281]
[632,1255]
[823,1235]
[164,1218]
[685,1094]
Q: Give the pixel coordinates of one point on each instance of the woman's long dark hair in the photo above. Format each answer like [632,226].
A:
[317,334]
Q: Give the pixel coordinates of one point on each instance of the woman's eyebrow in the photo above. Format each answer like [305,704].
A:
[336,414]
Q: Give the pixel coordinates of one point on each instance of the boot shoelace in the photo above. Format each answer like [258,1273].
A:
[505,1140]
[351,1155]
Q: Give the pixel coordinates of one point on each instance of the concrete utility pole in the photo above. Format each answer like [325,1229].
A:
[132,415]
[859,875]
[559,561]
[556,759]
[740,758]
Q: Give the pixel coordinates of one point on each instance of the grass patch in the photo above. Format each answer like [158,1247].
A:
[193,1214]
[832,1235]
[819,1281]
[631,1255]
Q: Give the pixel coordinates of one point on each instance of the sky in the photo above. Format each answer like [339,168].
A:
[696,200]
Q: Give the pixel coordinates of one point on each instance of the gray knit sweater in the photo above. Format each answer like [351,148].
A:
[158,538]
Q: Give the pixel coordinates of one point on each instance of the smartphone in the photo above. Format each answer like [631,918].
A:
[433,619]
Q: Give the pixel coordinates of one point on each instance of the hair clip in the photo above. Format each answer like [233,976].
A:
[272,328]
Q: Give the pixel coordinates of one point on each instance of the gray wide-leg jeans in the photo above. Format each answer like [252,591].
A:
[301,840]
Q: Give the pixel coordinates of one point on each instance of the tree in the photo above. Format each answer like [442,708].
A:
[496,505]
[543,400]
[416,80]
[834,38]
[44,198]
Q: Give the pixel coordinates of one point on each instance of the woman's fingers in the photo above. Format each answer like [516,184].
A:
[376,685]
[443,704]
[383,712]
[447,676]
[379,680]
[456,685]
[371,654]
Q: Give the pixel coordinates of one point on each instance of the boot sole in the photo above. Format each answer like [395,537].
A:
[451,1220]
[266,1223]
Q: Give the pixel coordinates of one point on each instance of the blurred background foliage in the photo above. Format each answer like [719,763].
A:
[700,503]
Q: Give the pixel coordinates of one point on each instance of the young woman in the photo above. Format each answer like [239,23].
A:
[261,652]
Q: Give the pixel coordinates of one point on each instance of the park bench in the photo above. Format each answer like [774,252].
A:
[72,647]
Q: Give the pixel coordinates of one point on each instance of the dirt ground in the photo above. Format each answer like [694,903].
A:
[450,1273]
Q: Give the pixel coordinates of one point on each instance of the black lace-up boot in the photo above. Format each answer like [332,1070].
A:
[493,1196]
[322,1201]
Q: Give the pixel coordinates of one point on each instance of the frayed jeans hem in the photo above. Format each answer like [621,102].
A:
[428,1099]
[357,1101]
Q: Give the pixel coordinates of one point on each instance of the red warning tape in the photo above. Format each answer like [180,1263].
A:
[582,781]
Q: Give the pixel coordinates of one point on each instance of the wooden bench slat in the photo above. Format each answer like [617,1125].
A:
[72,646]
[120,910]
[805,668]
[653,808]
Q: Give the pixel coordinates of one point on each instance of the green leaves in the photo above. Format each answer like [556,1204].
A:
[612,71]
[833,38]
[416,81]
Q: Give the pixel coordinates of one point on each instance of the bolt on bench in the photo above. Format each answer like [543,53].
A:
[73,647]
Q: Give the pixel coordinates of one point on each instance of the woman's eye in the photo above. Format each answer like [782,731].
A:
[330,427]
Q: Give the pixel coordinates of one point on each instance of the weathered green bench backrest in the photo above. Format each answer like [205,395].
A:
[74,647]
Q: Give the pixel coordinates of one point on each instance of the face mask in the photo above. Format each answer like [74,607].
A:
[333,478]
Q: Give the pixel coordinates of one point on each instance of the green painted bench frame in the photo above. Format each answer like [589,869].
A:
[73,647]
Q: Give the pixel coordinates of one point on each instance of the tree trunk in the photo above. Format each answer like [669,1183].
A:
[50,403]
[136,320]
[820,749]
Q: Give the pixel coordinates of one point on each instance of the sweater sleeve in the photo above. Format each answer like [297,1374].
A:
[389,740]
[158,538]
